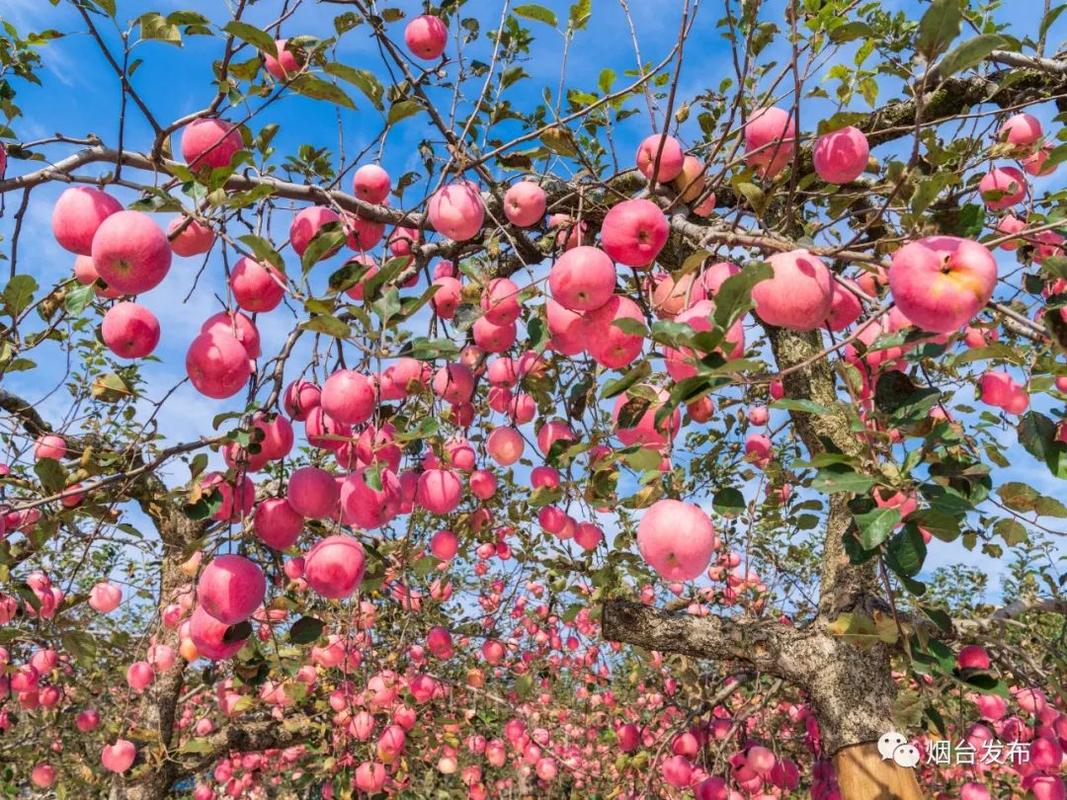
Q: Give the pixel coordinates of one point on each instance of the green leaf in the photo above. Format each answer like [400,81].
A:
[850,31]
[18,294]
[841,478]
[906,551]
[539,13]
[78,299]
[261,40]
[606,80]
[326,241]
[331,326]
[51,474]
[938,27]
[636,373]
[1011,531]
[263,250]
[155,26]
[897,395]
[579,14]
[363,79]
[238,632]
[805,406]
[316,88]
[728,502]
[559,141]
[734,297]
[1037,433]
[197,745]
[81,645]
[403,110]
[971,52]
[305,630]
[876,525]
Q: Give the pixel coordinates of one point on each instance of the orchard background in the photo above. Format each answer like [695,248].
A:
[559,459]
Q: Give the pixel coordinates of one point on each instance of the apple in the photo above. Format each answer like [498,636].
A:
[454,383]
[524,204]
[644,431]
[130,330]
[1034,164]
[491,337]
[845,307]
[276,523]
[313,493]
[1009,225]
[939,283]
[582,279]
[1021,130]
[770,140]
[348,397]
[634,232]
[444,545]
[85,273]
[194,239]
[609,345]
[698,317]
[553,431]
[140,675]
[569,233]
[217,364]
[334,566]
[285,65]
[363,234]
[456,211]
[714,276]
[238,325]
[3,159]
[1002,187]
[690,181]
[798,296]
[105,597]
[973,656]
[209,636]
[677,771]
[307,224]
[500,301]
[78,214]
[671,295]
[439,491]
[50,446]
[210,143]
[426,37]
[447,297]
[671,160]
[505,446]
[131,252]
[43,775]
[372,184]
[118,757]
[841,156]
[257,286]
[230,588]
[365,506]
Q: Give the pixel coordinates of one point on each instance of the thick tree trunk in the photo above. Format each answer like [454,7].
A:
[851,688]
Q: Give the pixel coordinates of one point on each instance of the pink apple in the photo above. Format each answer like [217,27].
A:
[312,492]
[456,211]
[714,276]
[77,215]
[524,204]
[43,775]
[973,656]
[85,273]
[690,181]
[500,301]
[217,365]
[118,757]
[671,159]
[770,140]
[210,143]
[371,183]
[426,37]
[582,279]
[845,307]
[798,296]
[1034,164]
[257,286]
[140,675]
[209,636]
[1002,187]
[493,338]
[444,545]
[50,446]
[939,283]
[588,536]
[105,597]
[677,771]
[230,588]
[644,431]
[307,224]
[285,65]
[194,239]
[634,231]
[334,566]
[841,156]
[237,325]
[131,252]
[348,397]
[676,539]
[439,491]
[1021,130]
[609,345]
[679,362]
[447,297]
[505,446]
[1009,225]
[454,383]
[130,330]
[671,294]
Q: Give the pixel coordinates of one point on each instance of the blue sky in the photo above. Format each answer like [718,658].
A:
[81,95]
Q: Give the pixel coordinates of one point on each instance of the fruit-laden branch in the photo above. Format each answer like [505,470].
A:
[765,644]
[246,737]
